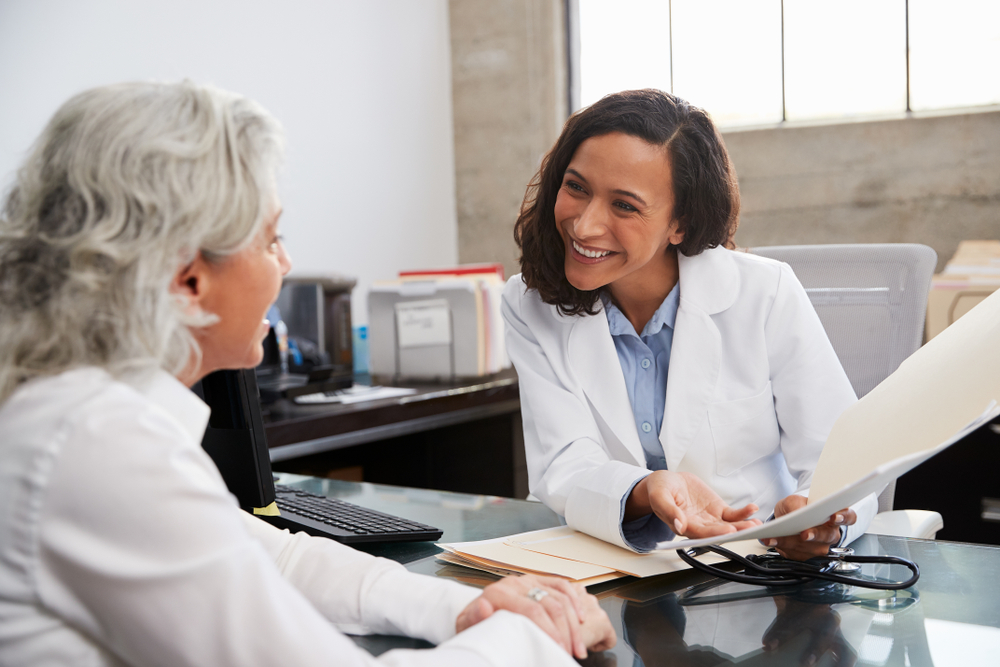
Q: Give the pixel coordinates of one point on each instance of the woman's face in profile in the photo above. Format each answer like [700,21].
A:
[614,212]
[239,290]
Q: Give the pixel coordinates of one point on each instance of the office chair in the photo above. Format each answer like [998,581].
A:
[872,301]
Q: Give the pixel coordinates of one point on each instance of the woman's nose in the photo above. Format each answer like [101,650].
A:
[284,259]
[591,222]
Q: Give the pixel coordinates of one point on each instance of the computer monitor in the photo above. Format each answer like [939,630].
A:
[236,442]
[235,435]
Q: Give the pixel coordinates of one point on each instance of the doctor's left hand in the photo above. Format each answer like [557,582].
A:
[685,503]
[815,541]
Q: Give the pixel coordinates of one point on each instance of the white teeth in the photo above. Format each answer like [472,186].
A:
[589,253]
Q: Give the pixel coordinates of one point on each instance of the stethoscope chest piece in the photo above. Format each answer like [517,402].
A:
[839,554]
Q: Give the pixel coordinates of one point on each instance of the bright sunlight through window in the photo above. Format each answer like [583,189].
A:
[753,62]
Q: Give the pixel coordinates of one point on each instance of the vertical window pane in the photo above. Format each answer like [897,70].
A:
[954,53]
[844,58]
[624,44]
[727,58]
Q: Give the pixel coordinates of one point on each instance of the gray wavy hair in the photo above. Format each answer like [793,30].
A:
[125,186]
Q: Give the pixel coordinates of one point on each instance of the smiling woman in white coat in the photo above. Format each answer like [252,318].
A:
[669,384]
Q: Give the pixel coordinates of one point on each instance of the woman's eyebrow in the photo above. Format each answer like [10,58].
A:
[625,193]
[634,196]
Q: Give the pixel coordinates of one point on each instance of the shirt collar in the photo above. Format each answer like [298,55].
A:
[665,315]
[167,392]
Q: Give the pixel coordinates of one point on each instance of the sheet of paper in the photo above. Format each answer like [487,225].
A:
[818,511]
[943,392]
[566,543]
[355,394]
[420,323]
[935,393]
[503,554]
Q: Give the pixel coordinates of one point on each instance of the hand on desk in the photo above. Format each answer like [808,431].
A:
[568,614]
[686,504]
[815,541]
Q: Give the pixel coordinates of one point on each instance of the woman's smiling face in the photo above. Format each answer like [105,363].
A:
[614,212]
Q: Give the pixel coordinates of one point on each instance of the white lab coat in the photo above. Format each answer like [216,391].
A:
[753,389]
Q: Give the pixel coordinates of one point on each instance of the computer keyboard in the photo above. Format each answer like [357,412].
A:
[344,521]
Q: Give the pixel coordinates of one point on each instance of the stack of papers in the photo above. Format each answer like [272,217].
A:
[570,554]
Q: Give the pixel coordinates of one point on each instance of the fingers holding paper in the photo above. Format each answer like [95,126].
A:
[815,541]
[686,504]
[564,611]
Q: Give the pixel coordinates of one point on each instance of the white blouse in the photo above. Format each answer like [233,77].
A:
[120,544]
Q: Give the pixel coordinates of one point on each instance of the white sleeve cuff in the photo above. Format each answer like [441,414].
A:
[595,504]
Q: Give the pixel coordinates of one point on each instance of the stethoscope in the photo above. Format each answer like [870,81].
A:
[840,566]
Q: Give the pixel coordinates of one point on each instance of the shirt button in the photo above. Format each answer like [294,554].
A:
[645,363]
[646,427]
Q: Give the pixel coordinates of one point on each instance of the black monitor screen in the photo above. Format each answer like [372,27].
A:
[235,435]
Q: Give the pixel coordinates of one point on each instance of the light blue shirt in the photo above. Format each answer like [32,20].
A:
[645,360]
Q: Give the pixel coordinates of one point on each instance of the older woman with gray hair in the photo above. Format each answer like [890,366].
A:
[139,251]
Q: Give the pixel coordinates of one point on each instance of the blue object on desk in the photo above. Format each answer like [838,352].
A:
[359,344]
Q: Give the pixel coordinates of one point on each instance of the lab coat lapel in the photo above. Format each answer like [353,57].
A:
[593,357]
[709,283]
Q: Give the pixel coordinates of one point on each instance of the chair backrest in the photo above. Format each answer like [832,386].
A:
[872,301]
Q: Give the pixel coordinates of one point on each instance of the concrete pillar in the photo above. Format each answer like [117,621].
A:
[509,91]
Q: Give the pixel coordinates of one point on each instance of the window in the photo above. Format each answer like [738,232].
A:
[765,61]
[954,53]
[731,67]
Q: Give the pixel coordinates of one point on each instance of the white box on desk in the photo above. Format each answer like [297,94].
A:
[451,343]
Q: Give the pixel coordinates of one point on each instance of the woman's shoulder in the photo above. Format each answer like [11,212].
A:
[716,279]
[527,304]
[49,400]
[522,299]
[88,407]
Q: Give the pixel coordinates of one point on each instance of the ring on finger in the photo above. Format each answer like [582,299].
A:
[537,594]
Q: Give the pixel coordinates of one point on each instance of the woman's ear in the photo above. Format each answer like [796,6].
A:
[191,283]
[677,234]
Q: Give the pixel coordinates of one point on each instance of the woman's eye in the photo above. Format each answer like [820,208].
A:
[573,186]
[626,207]
[275,242]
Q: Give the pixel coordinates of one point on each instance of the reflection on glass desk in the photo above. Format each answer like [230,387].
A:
[950,617]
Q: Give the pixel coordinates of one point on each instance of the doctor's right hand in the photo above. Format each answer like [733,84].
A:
[685,503]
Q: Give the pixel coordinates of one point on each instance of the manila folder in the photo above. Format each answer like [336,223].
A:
[942,392]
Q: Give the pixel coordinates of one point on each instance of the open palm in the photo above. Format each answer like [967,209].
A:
[692,508]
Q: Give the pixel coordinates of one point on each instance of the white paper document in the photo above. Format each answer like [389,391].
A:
[358,393]
[940,394]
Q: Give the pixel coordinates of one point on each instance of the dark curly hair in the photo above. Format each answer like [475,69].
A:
[706,195]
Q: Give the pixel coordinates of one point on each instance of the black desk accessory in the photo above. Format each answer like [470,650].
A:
[771,569]
[236,442]
[314,375]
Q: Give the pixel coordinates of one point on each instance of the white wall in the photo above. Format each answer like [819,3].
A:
[363,89]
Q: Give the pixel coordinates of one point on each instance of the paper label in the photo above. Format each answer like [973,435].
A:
[422,323]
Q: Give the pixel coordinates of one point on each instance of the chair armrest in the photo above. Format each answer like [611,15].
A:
[922,524]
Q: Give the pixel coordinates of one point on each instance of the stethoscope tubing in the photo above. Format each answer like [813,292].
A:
[783,572]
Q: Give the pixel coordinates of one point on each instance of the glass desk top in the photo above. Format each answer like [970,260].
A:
[951,616]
